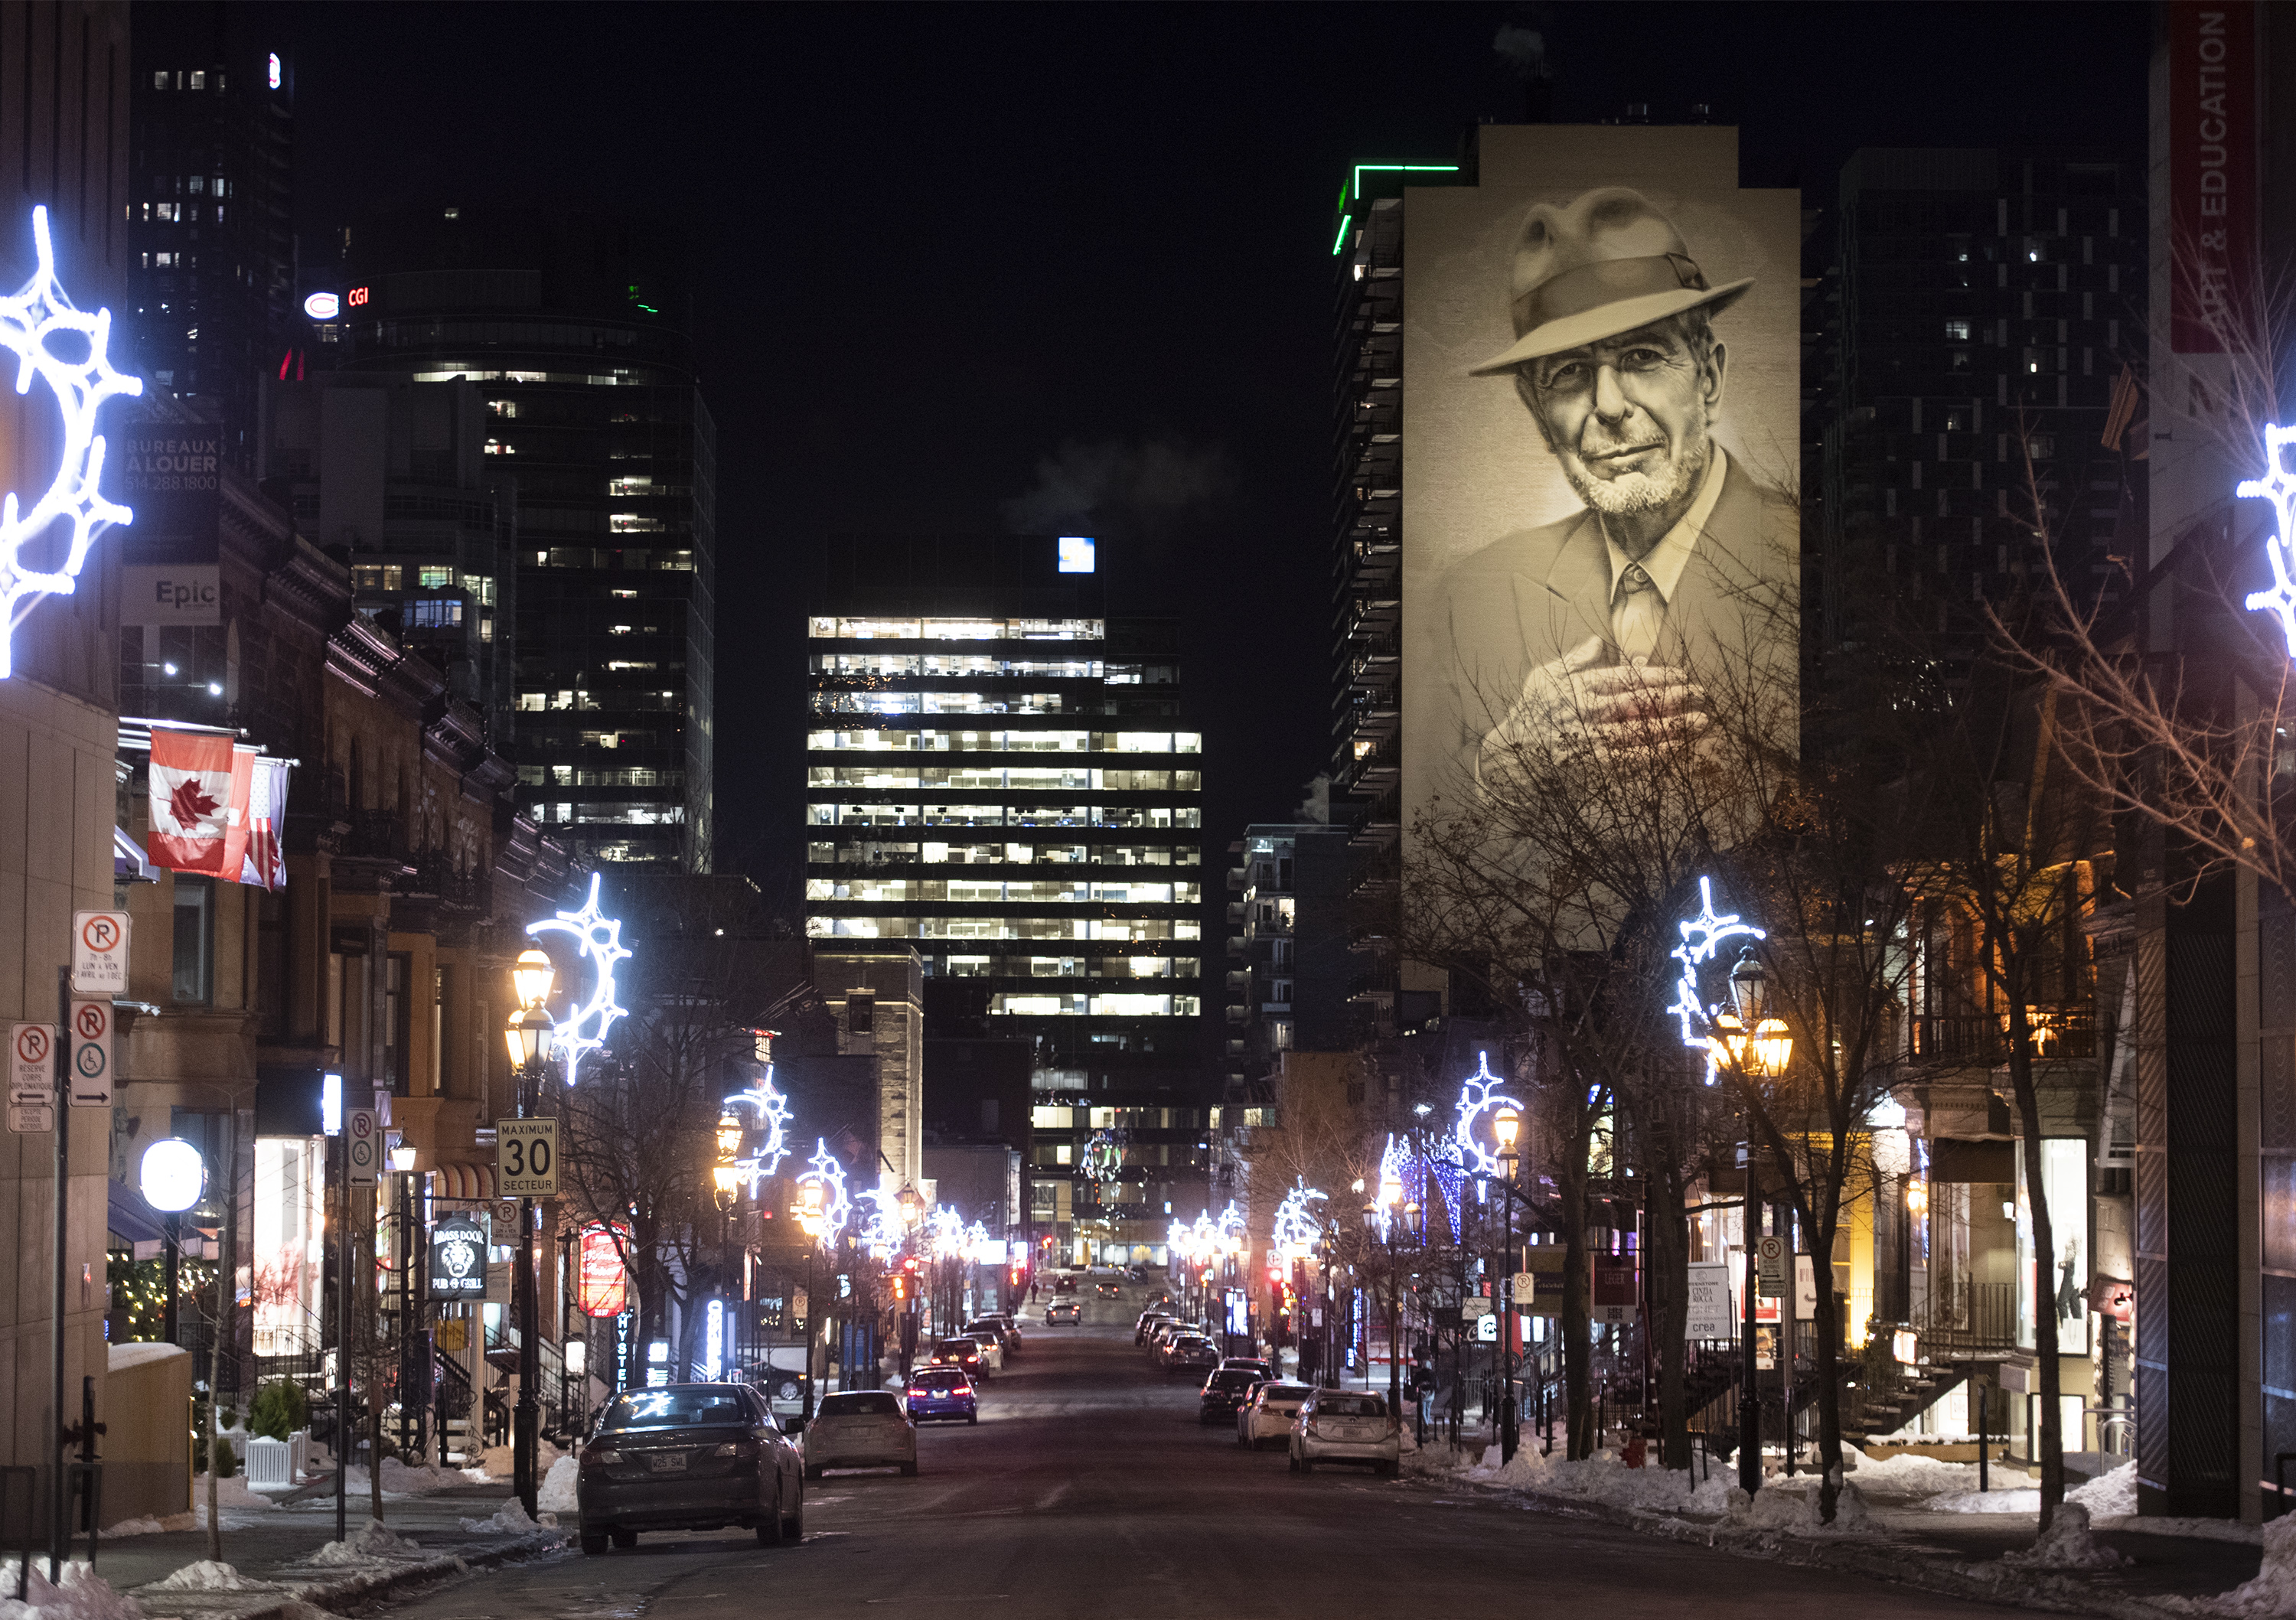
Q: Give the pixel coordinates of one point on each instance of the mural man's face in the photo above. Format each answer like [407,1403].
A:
[1629,417]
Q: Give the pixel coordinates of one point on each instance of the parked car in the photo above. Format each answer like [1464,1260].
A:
[1068,1310]
[1224,1391]
[1148,1323]
[942,1392]
[992,1347]
[1271,1414]
[961,1352]
[1249,1364]
[1191,1352]
[1164,1331]
[863,1429]
[689,1457]
[1346,1426]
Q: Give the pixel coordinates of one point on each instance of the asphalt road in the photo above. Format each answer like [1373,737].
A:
[1089,1487]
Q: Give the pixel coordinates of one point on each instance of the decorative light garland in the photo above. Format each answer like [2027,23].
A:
[30,320]
[1477,1097]
[2278,487]
[1296,1223]
[772,1111]
[1702,938]
[599,938]
[829,1175]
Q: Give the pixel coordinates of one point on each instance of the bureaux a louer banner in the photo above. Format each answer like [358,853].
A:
[1602,372]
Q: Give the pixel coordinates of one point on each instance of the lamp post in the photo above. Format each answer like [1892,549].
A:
[173,1177]
[809,1217]
[1761,1046]
[402,1165]
[1507,1125]
[1380,1217]
[528,1038]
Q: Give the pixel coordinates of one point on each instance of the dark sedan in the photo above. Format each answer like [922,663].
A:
[689,1457]
[1226,1390]
[1192,1353]
[942,1392]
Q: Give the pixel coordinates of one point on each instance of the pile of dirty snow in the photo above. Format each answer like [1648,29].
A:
[207,1575]
[2112,1495]
[2067,1544]
[500,1462]
[2274,1590]
[557,1492]
[509,1520]
[370,1546]
[79,1594]
[1798,1512]
[1907,1474]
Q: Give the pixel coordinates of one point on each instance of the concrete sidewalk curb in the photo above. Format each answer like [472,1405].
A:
[283,1597]
[1989,1583]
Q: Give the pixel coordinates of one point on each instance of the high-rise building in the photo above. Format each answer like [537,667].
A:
[1977,305]
[388,474]
[1367,564]
[997,777]
[576,334]
[209,209]
[1288,963]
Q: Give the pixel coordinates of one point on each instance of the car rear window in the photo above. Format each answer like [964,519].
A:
[875,1405]
[1351,1406]
[959,1347]
[1287,1392]
[940,1380]
[1234,1380]
[678,1406]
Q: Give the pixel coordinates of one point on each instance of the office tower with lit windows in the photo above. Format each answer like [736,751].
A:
[998,774]
[210,210]
[576,331]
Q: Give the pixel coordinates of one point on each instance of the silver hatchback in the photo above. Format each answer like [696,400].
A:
[1346,1426]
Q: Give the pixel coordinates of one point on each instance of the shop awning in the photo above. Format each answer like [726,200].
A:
[469,1183]
[130,863]
[129,1218]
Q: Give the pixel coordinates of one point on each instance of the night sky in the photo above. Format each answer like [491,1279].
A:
[966,268]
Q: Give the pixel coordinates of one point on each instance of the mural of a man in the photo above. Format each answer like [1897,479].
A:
[1596,624]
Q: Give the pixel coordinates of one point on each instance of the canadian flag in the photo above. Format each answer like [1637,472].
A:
[196,782]
[264,865]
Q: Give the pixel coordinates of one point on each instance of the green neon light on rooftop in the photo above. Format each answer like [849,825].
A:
[1341,241]
[1399,169]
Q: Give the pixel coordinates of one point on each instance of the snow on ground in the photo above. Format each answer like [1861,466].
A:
[370,1546]
[80,1594]
[509,1520]
[1797,1512]
[499,1463]
[399,1480]
[557,1492]
[2112,1495]
[2273,1592]
[207,1575]
[2067,1544]
[1909,1474]
[1986,1501]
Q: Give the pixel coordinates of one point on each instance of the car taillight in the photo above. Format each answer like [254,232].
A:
[917,1394]
[964,1389]
[597,1457]
[745,1447]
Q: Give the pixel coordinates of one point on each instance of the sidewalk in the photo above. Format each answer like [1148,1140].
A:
[287,1555]
[1912,1525]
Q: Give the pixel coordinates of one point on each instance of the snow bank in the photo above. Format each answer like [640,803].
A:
[557,1492]
[2112,1495]
[1986,1501]
[1909,1474]
[207,1575]
[2067,1544]
[1797,1512]
[399,1480]
[509,1520]
[79,1594]
[500,1463]
[2273,1589]
[370,1546]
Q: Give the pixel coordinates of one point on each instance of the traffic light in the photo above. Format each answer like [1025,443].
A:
[900,1287]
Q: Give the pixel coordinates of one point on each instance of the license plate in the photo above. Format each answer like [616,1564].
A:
[667,1462]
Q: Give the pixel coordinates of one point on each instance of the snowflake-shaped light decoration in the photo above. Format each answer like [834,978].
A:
[1478,1095]
[829,1175]
[599,938]
[79,374]
[1296,1223]
[2278,487]
[1103,1160]
[1231,1221]
[947,1228]
[1702,936]
[881,1229]
[770,1112]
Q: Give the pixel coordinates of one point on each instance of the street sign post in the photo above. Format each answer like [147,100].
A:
[1770,1259]
[362,1145]
[99,964]
[91,1054]
[32,1079]
[525,1159]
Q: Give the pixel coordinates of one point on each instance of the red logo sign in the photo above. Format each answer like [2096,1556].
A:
[602,1287]
[355,297]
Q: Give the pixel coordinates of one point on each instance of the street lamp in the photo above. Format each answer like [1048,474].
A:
[1762,1047]
[1507,1125]
[402,1165]
[173,1177]
[528,1036]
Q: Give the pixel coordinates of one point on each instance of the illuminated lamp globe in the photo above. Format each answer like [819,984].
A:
[1507,1125]
[533,975]
[528,1035]
[729,1135]
[173,1175]
[402,1159]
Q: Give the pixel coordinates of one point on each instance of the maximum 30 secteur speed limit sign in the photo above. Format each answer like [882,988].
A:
[525,1159]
